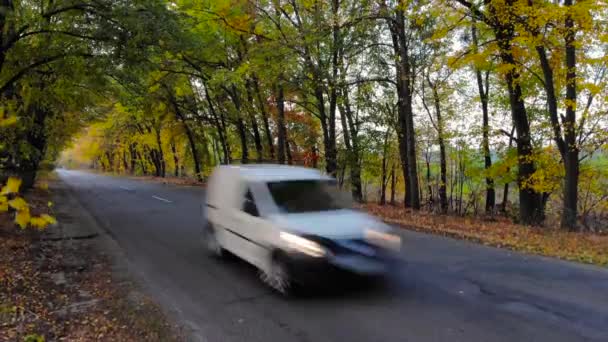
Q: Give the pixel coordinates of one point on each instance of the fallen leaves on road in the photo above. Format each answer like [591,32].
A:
[187,181]
[581,247]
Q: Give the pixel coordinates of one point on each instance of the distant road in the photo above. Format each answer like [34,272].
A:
[446,290]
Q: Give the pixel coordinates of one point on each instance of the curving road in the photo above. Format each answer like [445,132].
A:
[445,290]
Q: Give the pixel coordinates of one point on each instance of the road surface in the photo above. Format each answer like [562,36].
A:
[445,290]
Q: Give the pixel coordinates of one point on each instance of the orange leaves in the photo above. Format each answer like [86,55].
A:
[581,247]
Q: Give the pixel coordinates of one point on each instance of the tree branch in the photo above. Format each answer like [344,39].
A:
[47,60]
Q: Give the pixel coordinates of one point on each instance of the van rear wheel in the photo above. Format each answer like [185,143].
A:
[210,241]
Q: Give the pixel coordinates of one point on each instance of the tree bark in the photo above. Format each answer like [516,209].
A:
[406,132]
[505,193]
[160,154]
[530,201]
[191,139]
[485,141]
[351,139]
[133,160]
[571,160]
[264,113]
[220,124]
[384,177]
[257,138]
[443,198]
[175,159]
[393,184]
[125,163]
[240,124]
[282,130]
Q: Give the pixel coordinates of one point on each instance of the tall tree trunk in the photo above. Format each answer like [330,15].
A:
[530,201]
[485,141]
[443,198]
[191,139]
[383,178]
[125,162]
[175,159]
[406,132]
[428,177]
[393,183]
[571,160]
[240,124]
[264,113]
[282,130]
[220,124]
[160,154]
[505,193]
[257,138]
[134,157]
[329,141]
[142,164]
[351,138]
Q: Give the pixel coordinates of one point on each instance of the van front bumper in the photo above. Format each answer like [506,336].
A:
[318,271]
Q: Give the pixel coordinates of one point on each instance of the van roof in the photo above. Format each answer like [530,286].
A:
[275,172]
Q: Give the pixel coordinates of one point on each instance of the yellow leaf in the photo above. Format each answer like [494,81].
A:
[48,219]
[38,222]
[8,121]
[3,205]
[18,204]
[11,187]
[22,218]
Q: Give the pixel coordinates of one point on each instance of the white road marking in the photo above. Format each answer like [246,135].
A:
[125,188]
[162,199]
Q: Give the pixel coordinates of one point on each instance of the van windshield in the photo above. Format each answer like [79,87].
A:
[303,196]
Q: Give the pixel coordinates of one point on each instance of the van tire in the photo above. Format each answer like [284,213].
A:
[211,243]
[278,276]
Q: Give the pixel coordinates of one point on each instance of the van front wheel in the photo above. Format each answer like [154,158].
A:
[278,276]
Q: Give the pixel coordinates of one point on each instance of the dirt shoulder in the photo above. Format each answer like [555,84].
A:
[65,284]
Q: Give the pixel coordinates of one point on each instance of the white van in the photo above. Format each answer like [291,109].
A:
[293,225]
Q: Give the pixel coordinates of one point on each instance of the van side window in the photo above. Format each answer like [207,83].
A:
[249,205]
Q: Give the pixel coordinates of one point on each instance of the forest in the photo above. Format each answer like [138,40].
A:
[463,107]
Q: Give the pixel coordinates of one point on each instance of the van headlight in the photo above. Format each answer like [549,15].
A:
[303,245]
[382,239]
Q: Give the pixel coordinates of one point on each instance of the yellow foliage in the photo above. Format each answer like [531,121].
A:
[48,219]
[18,204]
[8,121]
[38,222]
[42,221]
[23,218]
[3,204]
[12,186]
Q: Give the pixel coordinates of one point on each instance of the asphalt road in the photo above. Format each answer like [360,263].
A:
[445,290]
